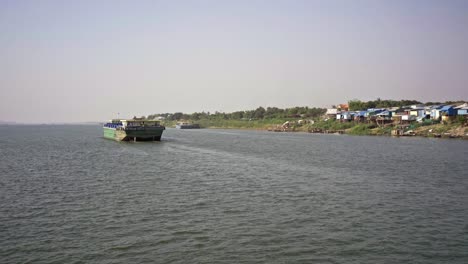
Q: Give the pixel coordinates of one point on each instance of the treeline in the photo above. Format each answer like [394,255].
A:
[357,105]
[262,113]
[446,103]
[259,113]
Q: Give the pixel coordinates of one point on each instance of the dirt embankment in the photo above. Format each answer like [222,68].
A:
[458,131]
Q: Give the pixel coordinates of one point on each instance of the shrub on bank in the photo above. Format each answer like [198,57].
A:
[332,125]
[360,129]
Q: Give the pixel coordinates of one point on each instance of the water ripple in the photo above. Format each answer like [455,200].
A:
[226,196]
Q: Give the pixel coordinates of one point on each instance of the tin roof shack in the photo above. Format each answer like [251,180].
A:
[435,112]
[384,118]
[360,116]
[447,113]
[345,116]
[429,108]
[448,110]
[371,114]
[407,119]
[462,110]
[417,106]
[374,111]
[396,112]
[385,114]
[399,111]
[418,112]
[332,113]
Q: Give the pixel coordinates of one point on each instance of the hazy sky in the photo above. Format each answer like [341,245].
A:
[68,61]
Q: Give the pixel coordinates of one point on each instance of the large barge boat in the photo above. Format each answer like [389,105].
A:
[133,130]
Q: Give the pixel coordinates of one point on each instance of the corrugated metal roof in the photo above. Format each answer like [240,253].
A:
[384,113]
[361,113]
[446,107]
[435,106]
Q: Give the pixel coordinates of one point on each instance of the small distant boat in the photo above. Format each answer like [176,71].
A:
[185,125]
[137,129]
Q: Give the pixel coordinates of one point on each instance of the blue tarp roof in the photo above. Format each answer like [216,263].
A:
[384,113]
[446,108]
[374,111]
[361,113]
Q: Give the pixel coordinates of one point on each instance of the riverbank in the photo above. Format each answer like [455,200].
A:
[454,130]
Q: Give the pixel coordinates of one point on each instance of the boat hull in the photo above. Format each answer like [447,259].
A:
[134,134]
[188,126]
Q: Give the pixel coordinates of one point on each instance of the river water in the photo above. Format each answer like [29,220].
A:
[229,196]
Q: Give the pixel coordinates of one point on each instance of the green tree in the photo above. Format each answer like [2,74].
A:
[259,113]
[176,116]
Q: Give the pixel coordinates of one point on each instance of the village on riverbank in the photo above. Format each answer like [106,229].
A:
[379,117]
[435,120]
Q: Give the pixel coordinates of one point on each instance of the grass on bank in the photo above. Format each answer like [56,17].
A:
[352,128]
[332,125]
[364,129]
